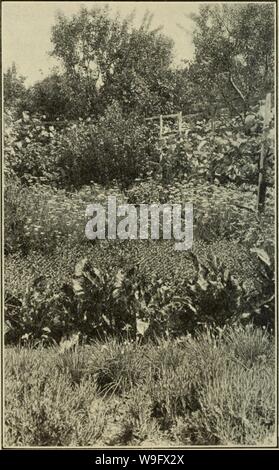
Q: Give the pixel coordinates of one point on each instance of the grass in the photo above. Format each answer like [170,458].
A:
[214,389]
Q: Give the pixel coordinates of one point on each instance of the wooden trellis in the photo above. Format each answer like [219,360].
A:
[161,118]
[162,134]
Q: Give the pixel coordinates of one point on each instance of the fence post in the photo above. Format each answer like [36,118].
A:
[161,126]
[212,118]
[180,122]
[264,151]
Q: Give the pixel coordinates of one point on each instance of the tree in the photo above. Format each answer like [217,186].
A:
[48,97]
[107,59]
[234,53]
[14,88]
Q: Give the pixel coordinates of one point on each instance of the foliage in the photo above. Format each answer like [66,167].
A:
[29,149]
[132,305]
[124,148]
[40,218]
[249,345]
[107,58]
[155,258]
[135,301]
[43,407]
[214,295]
[220,212]
[208,390]
[229,153]
[228,405]
[31,316]
[234,54]
[263,312]
[116,366]
[14,89]
[116,148]
[49,98]
[137,379]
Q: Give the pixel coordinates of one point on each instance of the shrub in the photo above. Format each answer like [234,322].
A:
[263,300]
[228,154]
[30,149]
[32,315]
[115,148]
[214,295]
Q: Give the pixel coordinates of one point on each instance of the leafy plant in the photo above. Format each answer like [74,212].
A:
[263,301]
[31,316]
[214,295]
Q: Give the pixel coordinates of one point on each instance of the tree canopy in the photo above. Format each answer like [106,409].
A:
[234,53]
[106,58]
[14,87]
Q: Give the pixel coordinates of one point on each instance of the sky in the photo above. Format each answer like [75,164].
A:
[26,30]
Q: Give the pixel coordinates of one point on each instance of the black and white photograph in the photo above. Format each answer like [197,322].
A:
[139,239]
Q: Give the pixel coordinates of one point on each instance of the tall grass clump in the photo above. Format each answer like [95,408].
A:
[115,366]
[44,407]
[214,388]
[236,387]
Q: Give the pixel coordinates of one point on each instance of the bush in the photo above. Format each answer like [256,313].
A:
[228,154]
[115,148]
[32,315]
[214,295]
[263,300]
[123,148]
[30,149]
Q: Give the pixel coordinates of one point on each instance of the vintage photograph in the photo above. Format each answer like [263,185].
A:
[139,224]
